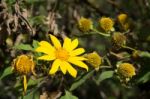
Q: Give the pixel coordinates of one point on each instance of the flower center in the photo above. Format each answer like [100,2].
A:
[62,54]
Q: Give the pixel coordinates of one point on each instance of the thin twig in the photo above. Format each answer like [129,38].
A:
[130,48]
[112,53]
[18,13]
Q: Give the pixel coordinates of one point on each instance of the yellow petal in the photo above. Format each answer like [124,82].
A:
[46,44]
[63,67]
[32,68]
[70,69]
[74,44]
[77,58]
[45,50]
[55,66]
[78,63]
[55,41]
[47,57]
[77,51]
[24,84]
[67,44]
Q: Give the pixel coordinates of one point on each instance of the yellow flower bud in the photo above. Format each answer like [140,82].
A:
[118,39]
[106,23]
[85,24]
[123,20]
[94,59]
[126,70]
[23,64]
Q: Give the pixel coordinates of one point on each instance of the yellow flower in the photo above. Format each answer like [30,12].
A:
[118,39]
[122,18]
[85,24]
[24,65]
[126,70]
[62,55]
[106,23]
[94,59]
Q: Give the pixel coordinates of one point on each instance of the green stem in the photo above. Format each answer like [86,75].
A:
[103,34]
[127,47]
[105,67]
[107,60]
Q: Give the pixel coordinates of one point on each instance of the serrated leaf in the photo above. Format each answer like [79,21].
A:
[81,80]
[68,95]
[104,75]
[6,72]
[24,47]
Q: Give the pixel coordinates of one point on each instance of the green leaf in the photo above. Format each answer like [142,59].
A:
[34,94]
[68,95]
[144,54]
[145,78]
[104,75]
[26,47]
[32,82]
[6,72]
[81,80]
[35,44]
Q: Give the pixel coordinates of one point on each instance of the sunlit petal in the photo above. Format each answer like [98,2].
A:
[55,66]
[32,68]
[78,63]
[47,57]
[46,44]
[55,41]
[63,67]
[74,44]
[45,50]
[70,69]
[77,58]
[24,83]
[77,51]
[67,44]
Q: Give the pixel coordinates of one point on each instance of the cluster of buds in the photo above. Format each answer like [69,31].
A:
[105,23]
[106,26]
